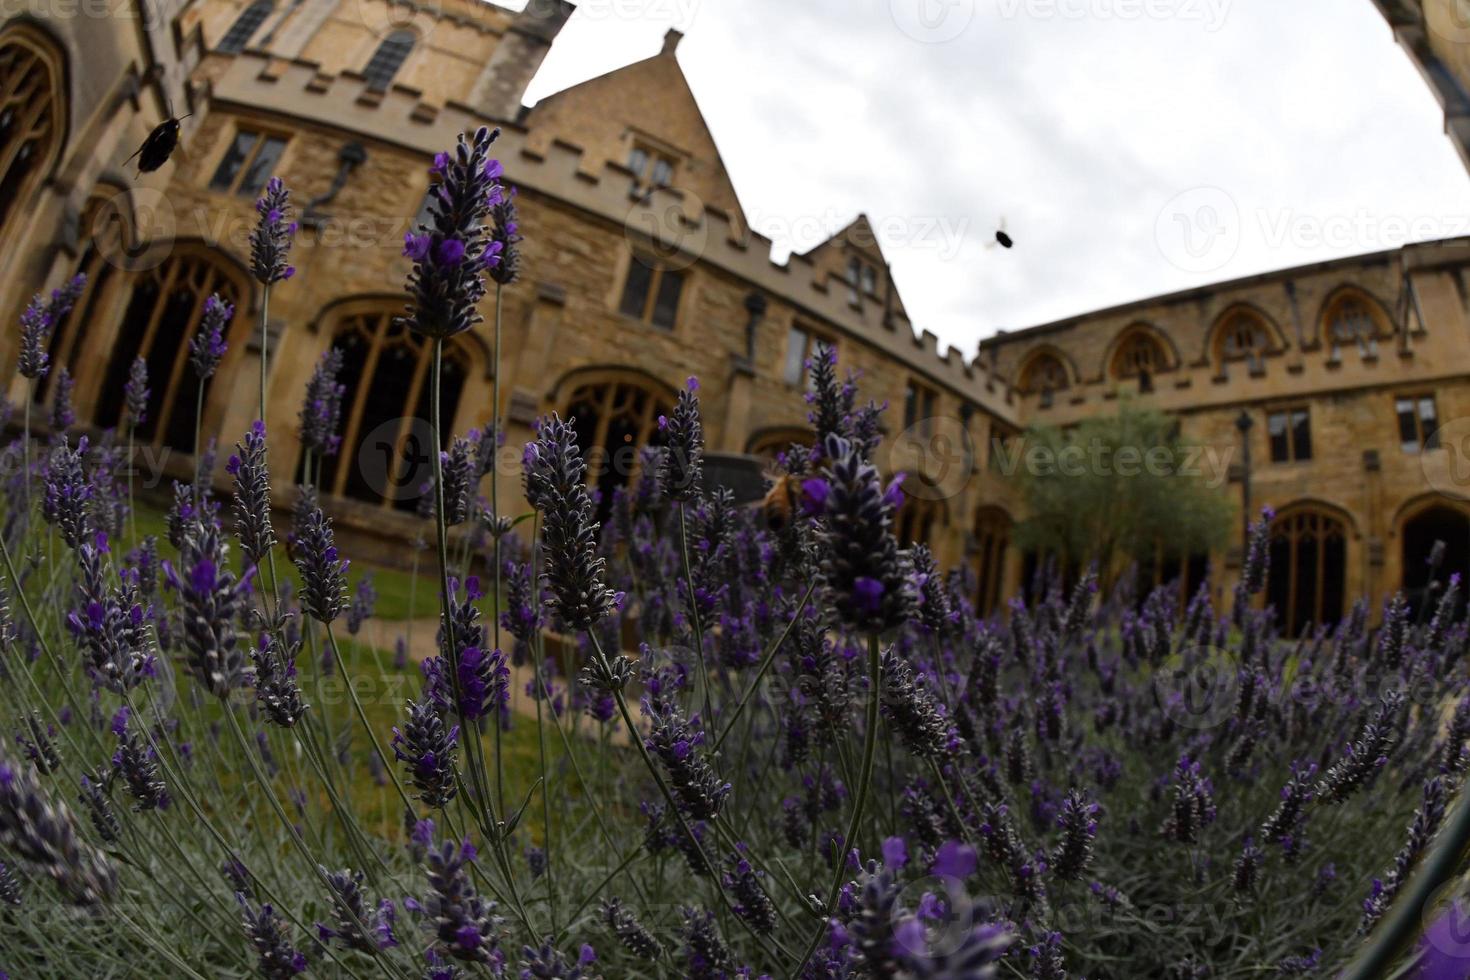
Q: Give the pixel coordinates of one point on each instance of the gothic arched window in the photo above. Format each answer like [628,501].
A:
[614,417]
[992,538]
[1044,374]
[386,408]
[245,26]
[1244,336]
[917,518]
[388,59]
[1353,320]
[161,314]
[1305,579]
[32,119]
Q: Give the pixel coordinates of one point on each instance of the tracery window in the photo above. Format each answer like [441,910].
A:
[992,539]
[1305,579]
[1244,337]
[162,313]
[245,26]
[32,122]
[386,407]
[389,57]
[614,419]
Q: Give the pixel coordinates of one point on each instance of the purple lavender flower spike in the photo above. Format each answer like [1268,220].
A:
[426,747]
[270,241]
[43,834]
[207,346]
[252,495]
[449,254]
[321,410]
[323,572]
[136,394]
[466,927]
[40,318]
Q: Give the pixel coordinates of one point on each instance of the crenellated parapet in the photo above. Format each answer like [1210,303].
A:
[674,223]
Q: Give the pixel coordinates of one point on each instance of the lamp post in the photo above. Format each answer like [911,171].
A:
[1243,424]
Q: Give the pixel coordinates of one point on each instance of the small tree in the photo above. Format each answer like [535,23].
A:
[1116,490]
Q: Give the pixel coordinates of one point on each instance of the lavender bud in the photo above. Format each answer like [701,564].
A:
[911,710]
[208,344]
[1194,803]
[751,902]
[321,410]
[271,937]
[625,926]
[1426,823]
[63,416]
[44,835]
[1078,823]
[1257,554]
[270,241]
[427,748]
[363,601]
[675,743]
[97,801]
[323,573]
[211,600]
[466,926]
[505,233]
[136,393]
[860,565]
[1366,754]
[67,492]
[451,254]
[706,957]
[137,764]
[554,485]
[681,466]
[276,690]
[252,495]
[37,322]
[459,467]
[353,925]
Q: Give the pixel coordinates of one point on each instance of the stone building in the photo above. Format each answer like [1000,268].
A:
[641,270]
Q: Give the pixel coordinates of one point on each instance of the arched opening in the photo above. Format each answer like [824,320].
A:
[1423,581]
[614,417]
[917,516]
[1138,355]
[389,57]
[32,120]
[245,26]
[161,313]
[1184,573]
[1044,373]
[992,538]
[386,407]
[1241,336]
[1352,319]
[1306,579]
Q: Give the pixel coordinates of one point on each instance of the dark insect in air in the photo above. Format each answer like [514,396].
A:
[159,145]
[780,502]
[1004,239]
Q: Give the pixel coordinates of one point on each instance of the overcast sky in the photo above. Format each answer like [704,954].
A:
[1133,147]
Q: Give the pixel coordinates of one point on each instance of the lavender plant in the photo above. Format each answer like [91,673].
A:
[711,747]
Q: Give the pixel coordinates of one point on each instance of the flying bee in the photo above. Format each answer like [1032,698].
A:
[159,145]
[781,501]
[1002,237]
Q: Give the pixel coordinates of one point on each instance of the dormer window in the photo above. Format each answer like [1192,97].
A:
[651,165]
[862,280]
[386,61]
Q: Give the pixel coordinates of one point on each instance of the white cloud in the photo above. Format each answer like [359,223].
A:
[1077,120]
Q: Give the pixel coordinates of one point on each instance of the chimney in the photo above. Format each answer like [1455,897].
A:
[671,41]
